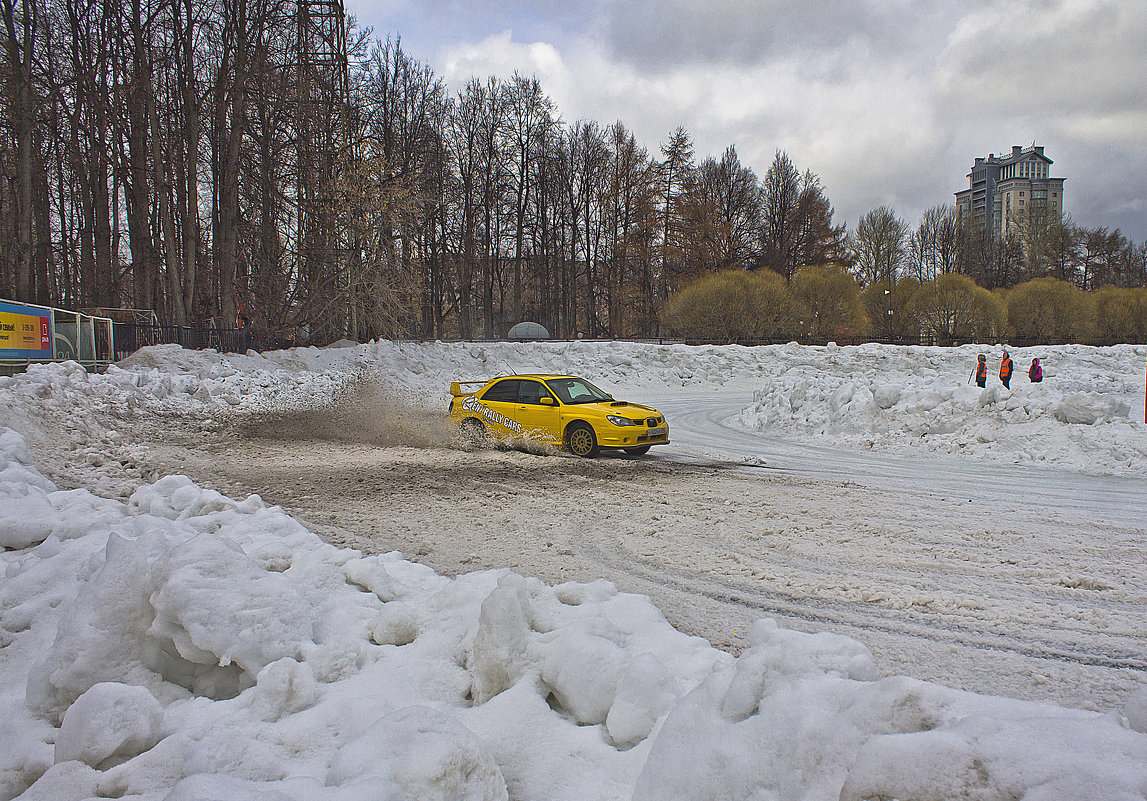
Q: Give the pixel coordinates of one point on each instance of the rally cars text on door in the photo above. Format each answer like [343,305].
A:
[561,410]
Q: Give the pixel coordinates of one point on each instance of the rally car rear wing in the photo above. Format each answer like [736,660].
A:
[456,386]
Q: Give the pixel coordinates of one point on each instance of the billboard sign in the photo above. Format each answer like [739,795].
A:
[25,331]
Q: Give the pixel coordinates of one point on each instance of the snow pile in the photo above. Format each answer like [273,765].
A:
[916,399]
[1086,415]
[185,645]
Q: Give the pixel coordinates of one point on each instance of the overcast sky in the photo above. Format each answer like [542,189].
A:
[888,101]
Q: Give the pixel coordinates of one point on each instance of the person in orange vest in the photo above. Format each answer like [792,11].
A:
[1006,370]
[982,371]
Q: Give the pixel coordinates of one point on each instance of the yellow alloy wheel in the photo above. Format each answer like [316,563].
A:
[583,442]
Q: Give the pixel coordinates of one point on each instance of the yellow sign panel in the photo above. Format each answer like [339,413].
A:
[25,331]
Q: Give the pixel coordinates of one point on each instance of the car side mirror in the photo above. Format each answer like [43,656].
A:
[546,401]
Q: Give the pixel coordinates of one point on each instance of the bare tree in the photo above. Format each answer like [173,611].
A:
[21,35]
[780,199]
[728,211]
[878,246]
[630,222]
[934,248]
[796,220]
[529,116]
[878,251]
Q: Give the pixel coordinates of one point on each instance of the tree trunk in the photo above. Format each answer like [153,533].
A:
[228,175]
[19,47]
[189,209]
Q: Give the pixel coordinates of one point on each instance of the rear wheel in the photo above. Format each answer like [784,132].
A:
[640,450]
[582,441]
[474,434]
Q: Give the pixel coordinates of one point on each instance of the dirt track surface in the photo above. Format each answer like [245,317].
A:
[918,577]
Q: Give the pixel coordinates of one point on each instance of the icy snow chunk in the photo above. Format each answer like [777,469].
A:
[926,401]
[644,693]
[218,606]
[1045,755]
[965,397]
[395,624]
[111,722]
[499,657]
[15,465]
[371,575]
[993,394]
[1135,711]
[173,617]
[431,756]
[13,446]
[780,653]
[177,498]
[794,652]
[283,688]
[1089,408]
[840,397]
[102,632]
[66,780]
[582,670]
[575,593]
[25,519]
[886,396]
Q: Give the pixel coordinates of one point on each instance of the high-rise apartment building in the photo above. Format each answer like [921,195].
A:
[1006,192]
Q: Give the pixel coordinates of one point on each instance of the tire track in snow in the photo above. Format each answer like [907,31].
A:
[824,612]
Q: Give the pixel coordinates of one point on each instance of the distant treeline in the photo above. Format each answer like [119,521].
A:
[265,163]
[822,304]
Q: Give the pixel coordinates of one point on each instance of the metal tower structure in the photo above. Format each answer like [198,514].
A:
[323,102]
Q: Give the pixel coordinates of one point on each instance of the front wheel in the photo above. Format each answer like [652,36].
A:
[640,450]
[583,442]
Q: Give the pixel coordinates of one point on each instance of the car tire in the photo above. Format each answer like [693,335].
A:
[640,450]
[582,441]
[473,433]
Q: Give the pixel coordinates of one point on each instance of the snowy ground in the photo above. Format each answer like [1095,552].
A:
[160,640]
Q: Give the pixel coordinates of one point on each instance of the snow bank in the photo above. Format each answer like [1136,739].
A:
[181,644]
[185,645]
[1087,415]
[919,399]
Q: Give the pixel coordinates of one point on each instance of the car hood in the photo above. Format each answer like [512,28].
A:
[624,408]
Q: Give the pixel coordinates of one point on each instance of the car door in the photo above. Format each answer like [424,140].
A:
[538,417]
[500,408]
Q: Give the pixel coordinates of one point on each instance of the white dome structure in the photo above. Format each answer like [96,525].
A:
[528,330]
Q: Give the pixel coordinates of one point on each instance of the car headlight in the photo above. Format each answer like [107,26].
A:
[620,421]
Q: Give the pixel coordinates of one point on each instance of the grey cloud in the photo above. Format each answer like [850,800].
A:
[660,32]
[1051,59]
[889,102]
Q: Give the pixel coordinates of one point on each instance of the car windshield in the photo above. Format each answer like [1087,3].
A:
[577,390]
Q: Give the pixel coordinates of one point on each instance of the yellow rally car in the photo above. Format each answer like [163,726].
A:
[560,410]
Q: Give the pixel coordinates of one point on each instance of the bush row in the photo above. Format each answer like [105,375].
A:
[824,303]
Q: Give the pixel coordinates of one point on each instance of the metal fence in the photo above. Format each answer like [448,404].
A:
[130,337]
[33,334]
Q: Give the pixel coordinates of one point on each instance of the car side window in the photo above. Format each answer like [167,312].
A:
[532,392]
[505,391]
